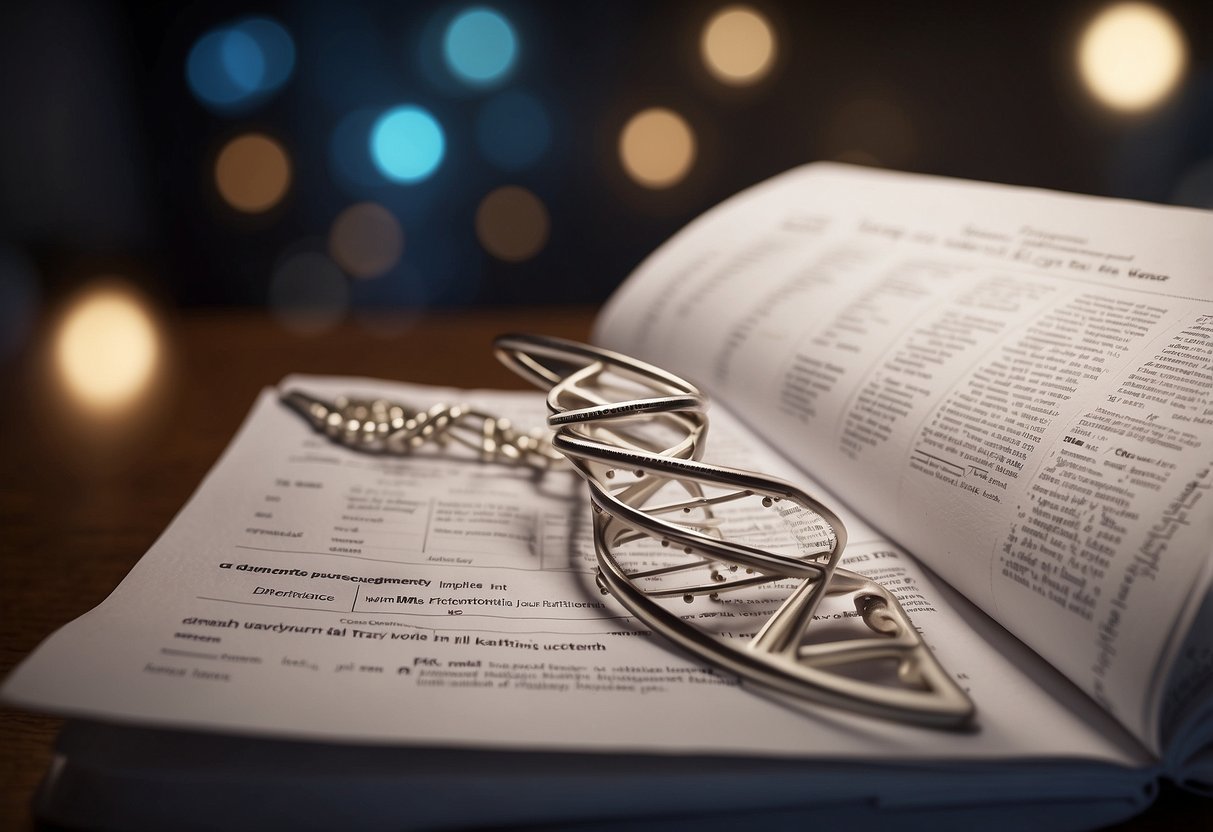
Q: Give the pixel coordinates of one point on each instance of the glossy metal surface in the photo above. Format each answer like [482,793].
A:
[378,426]
[671,529]
[637,434]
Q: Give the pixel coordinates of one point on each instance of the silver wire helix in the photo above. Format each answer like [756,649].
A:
[378,426]
[634,433]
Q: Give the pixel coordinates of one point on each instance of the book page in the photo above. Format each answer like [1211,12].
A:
[1015,385]
[311,591]
[1187,717]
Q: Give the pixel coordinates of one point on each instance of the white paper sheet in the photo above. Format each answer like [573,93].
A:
[1014,384]
[309,591]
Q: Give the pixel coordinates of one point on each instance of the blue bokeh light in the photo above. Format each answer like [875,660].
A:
[513,130]
[207,73]
[407,144]
[276,47]
[242,60]
[480,46]
[236,67]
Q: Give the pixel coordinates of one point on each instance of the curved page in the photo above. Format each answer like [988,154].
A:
[309,591]
[1015,385]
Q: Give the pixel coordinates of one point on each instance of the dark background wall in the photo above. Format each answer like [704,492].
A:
[107,156]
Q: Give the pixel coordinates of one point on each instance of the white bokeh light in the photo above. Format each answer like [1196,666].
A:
[1131,56]
[738,46]
[107,347]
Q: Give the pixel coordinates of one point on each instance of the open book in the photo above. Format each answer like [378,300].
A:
[1007,395]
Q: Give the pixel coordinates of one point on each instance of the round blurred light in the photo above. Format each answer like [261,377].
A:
[513,130]
[276,51]
[407,144]
[366,240]
[207,72]
[512,224]
[480,46]
[252,173]
[1131,56]
[657,147]
[237,66]
[308,293]
[242,60]
[738,46]
[107,347]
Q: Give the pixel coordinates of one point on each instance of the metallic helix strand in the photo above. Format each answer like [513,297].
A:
[635,433]
[382,427]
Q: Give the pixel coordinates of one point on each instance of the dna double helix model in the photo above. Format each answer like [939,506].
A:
[755,558]
[378,426]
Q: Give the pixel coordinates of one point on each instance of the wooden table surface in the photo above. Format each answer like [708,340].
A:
[81,501]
